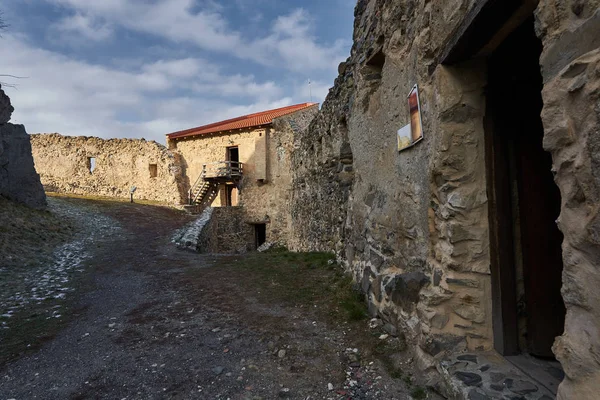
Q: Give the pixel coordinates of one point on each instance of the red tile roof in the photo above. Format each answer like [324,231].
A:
[246,121]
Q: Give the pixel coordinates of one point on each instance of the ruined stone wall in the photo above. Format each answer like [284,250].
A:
[227,232]
[19,180]
[64,167]
[268,201]
[412,226]
[570,32]
[412,236]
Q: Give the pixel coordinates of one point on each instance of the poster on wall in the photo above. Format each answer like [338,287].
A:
[411,134]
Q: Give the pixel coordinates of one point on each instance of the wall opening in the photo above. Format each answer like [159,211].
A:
[91,164]
[233,154]
[524,203]
[231,196]
[153,169]
[260,234]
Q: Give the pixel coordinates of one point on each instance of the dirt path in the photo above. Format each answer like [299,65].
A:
[155,322]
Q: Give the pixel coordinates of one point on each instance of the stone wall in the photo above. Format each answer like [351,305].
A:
[571,116]
[227,232]
[268,201]
[265,189]
[412,227]
[18,178]
[64,166]
[411,235]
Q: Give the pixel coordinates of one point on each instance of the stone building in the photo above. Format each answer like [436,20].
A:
[109,167]
[245,162]
[483,236]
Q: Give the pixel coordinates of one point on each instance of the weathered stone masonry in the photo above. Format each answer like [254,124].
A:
[18,178]
[413,226]
[64,163]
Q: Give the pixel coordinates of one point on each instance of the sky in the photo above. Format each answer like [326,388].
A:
[145,68]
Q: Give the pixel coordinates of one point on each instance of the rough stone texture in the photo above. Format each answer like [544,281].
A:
[62,162]
[571,117]
[386,214]
[269,201]
[227,232]
[489,376]
[425,210]
[188,237]
[19,180]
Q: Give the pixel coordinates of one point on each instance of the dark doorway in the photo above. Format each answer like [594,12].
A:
[260,234]
[233,154]
[524,203]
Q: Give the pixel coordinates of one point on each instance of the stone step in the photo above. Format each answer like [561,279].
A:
[488,375]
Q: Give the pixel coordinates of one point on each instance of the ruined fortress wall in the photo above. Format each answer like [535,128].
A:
[19,180]
[414,239]
[64,166]
[227,232]
[570,63]
[268,201]
[413,226]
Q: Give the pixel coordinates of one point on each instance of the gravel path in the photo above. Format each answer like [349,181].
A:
[148,332]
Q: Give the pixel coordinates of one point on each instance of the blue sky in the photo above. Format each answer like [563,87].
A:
[144,68]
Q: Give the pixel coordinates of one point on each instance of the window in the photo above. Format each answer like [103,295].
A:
[91,164]
[153,168]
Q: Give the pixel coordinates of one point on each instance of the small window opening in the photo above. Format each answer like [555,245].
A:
[374,66]
[153,168]
[260,234]
[233,154]
[91,164]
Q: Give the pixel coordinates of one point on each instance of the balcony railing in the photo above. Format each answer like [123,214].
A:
[222,170]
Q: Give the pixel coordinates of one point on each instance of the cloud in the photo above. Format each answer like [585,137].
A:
[79,28]
[289,43]
[75,97]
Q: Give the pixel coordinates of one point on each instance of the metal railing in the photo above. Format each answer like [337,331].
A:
[222,169]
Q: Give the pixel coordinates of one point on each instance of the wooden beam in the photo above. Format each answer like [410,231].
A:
[520,16]
[480,26]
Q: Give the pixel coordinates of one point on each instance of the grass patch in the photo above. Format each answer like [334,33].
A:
[106,198]
[298,279]
[28,237]
[418,393]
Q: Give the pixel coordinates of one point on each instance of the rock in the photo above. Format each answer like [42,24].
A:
[469,378]
[391,329]
[523,387]
[404,288]
[218,370]
[284,393]
[375,323]
[281,353]
[470,312]
[342,68]
[19,180]
[330,387]
[6,108]
[435,344]
[468,357]
[476,394]
[264,247]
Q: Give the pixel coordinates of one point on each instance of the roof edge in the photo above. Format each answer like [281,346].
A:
[191,132]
